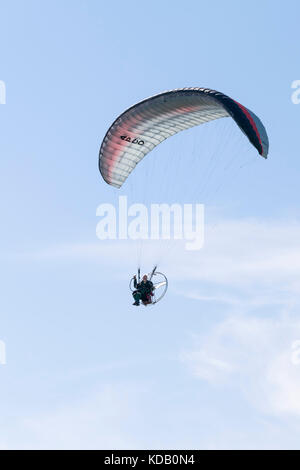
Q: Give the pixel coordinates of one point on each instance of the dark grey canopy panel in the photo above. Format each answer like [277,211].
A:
[145,125]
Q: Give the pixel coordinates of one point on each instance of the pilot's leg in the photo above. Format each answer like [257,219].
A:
[137,297]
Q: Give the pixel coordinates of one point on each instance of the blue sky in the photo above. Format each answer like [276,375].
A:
[213,365]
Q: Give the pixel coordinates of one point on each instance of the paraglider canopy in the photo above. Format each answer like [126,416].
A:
[146,124]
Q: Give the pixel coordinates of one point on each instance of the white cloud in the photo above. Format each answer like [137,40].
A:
[247,261]
[235,250]
[254,356]
[249,265]
[207,367]
[254,267]
[248,252]
[96,421]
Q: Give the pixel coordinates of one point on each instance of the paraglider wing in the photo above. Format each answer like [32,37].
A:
[146,124]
